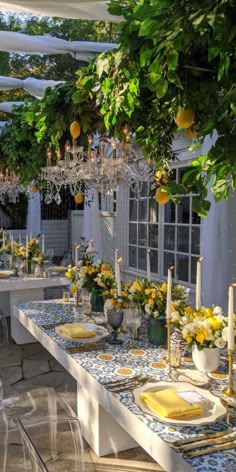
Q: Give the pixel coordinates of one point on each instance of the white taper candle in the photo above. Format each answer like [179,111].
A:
[118,279]
[231,318]
[148,265]
[12,244]
[168,295]
[27,247]
[198,283]
[43,243]
[76,259]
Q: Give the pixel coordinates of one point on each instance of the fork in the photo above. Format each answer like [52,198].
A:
[128,384]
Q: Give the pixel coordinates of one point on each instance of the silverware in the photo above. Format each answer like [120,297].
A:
[127,385]
[50,325]
[201,437]
[209,450]
[112,383]
[86,348]
[208,442]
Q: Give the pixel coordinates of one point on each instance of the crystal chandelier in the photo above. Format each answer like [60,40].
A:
[10,188]
[103,166]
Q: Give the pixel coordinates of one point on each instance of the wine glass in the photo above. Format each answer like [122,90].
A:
[114,319]
[133,319]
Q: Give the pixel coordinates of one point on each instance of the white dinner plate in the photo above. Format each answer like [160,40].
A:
[192,376]
[101,333]
[212,406]
[5,274]
[57,269]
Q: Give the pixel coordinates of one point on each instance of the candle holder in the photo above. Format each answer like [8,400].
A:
[229,391]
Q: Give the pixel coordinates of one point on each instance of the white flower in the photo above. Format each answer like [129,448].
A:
[148,309]
[132,289]
[220,342]
[225,333]
[217,310]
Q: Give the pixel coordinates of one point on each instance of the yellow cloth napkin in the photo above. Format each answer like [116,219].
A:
[169,404]
[76,331]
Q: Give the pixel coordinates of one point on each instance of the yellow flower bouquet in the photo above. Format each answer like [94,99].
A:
[152,297]
[204,327]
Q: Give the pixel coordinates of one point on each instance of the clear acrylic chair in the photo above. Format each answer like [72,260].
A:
[36,408]
[4,335]
[35,446]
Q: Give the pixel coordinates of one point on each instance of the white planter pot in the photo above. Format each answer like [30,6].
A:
[206,360]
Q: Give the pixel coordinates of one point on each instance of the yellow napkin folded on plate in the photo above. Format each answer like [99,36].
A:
[169,404]
[76,331]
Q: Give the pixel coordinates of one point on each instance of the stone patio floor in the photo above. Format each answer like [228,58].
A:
[30,366]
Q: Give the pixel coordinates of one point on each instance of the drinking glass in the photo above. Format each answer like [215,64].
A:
[133,319]
[86,302]
[114,319]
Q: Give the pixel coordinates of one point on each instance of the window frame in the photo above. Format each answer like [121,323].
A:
[135,271]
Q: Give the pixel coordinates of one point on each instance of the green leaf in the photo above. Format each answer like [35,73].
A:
[102,66]
[173,78]
[161,87]
[172,59]
[224,65]
[147,27]
[213,52]
[145,55]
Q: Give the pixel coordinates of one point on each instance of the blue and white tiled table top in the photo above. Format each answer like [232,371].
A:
[129,359]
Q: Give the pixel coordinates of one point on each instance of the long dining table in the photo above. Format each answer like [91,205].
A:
[19,289]
[111,420]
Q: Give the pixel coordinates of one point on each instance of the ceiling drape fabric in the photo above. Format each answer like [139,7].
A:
[7,107]
[214,247]
[92,222]
[11,41]
[34,214]
[35,87]
[81,9]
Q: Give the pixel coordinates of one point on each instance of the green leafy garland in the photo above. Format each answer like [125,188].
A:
[172,54]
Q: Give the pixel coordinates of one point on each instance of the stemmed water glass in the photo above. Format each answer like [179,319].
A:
[133,319]
[114,319]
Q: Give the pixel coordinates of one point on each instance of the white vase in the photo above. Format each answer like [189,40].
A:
[206,360]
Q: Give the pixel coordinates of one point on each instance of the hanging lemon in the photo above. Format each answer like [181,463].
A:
[79,198]
[191,132]
[161,176]
[184,117]
[75,129]
[161,196]
[35,188]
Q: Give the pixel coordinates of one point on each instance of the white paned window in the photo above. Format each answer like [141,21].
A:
[171,231]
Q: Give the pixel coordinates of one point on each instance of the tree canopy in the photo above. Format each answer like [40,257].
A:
[172,56]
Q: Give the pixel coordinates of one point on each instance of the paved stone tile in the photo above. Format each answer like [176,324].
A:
[10,375]
[55,366]
[32,368]
[9,390]
[51,379]
[36,351]
[10,355]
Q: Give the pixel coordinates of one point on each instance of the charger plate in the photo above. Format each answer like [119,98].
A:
[192,376]
[213,409]
[101,333]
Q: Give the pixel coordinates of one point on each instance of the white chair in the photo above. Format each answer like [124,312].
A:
[41,411]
